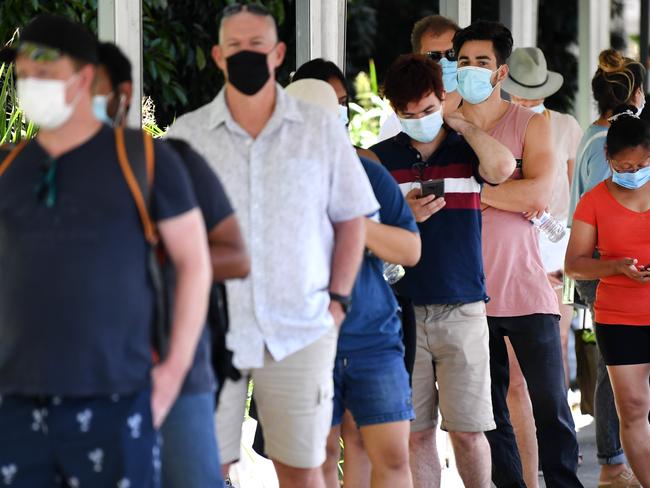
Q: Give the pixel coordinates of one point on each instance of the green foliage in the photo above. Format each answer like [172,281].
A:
[368,111]
[178,37]
[13,126]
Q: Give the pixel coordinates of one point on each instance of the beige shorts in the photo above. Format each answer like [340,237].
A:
[294,402]
[455,338]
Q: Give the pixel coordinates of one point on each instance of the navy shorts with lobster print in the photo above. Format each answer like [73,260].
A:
[104,442]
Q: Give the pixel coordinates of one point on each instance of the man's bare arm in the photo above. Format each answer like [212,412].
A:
[496,163]
[393,244]
[185,241]
[533,192]
[349,242]
[228,251]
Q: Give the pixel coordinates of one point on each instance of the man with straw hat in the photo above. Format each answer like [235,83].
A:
[529,83]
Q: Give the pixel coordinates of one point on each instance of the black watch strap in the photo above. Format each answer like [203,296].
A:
[345,301]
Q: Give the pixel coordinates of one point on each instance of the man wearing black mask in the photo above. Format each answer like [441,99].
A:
[301,204]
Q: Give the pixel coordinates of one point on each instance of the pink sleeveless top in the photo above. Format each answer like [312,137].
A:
[516,281]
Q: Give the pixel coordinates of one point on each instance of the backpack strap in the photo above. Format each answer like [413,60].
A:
[136,157]
[12,156]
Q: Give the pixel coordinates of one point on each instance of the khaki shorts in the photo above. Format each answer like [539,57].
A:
[456,339]
[294,399]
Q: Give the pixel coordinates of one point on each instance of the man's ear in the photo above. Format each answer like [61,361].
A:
[218,57]
[85,82]
[88,74]
[502,73]
[126,88]
[280,52]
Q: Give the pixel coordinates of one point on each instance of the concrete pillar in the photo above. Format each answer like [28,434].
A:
[593,37]
[120,21]
[520,16]
[644,37]
[460,11]
[321,31]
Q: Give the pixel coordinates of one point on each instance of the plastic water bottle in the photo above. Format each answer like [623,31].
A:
[550,226]
[393,273]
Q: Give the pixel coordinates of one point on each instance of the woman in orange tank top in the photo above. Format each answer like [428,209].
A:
[614,218]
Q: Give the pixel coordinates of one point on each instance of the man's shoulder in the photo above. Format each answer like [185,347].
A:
[199,114]
[195,119]
[376,172]
[390,149]
[566,120]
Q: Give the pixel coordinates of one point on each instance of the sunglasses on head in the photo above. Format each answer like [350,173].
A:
[450,54]
[253,8]
[38,52]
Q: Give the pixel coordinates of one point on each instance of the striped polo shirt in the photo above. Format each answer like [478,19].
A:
[451,267]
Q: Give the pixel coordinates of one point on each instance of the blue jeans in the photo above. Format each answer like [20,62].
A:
[536,342]
[608,441]
[189,452]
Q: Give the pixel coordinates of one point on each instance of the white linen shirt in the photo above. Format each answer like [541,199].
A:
[287,186]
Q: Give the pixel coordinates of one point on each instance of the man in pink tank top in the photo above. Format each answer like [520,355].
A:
[522,303]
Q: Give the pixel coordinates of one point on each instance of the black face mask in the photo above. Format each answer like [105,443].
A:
[248,71]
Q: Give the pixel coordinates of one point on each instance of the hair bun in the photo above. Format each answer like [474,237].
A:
[611,61]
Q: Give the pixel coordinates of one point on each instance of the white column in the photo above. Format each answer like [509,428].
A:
[460,11]
[320,31]
[120,21]
[593,37]
[520,16]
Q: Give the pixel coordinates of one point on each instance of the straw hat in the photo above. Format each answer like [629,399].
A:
[529,77]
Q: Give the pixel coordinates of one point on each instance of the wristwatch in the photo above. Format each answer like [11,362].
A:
[345,301]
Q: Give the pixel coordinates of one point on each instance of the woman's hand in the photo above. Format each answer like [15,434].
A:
[629,268]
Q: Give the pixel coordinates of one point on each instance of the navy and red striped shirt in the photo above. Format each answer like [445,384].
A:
[451,267]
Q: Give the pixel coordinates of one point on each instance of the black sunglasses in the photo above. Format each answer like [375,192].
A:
[253,8]
[418,170]
[450,54]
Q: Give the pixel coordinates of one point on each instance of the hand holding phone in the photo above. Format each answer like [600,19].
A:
[433,187]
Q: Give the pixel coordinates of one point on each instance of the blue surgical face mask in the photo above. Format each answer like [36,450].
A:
[424,129]
[538,109]
[632,181]
[100,109]
[343,114]
[474,84]
[449,74]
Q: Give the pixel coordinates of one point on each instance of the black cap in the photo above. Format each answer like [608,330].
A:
[57,33]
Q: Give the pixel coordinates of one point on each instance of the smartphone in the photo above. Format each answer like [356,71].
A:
[433,187]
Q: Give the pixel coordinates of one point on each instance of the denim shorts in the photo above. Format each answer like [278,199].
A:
[374,386]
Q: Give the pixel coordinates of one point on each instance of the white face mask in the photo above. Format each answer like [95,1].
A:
[343,114]
[425,129]
[43,101]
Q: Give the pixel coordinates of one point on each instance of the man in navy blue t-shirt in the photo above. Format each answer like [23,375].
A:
[440,165]
[80,399]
